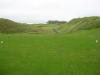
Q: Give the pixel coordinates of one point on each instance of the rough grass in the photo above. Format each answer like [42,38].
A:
[48,28]
[84,23]
[61,54]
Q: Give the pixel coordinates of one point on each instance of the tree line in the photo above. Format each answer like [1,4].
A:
[55,22]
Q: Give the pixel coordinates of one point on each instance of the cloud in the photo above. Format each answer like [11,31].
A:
[43,10]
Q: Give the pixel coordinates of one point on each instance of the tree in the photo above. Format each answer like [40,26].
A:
[55,22]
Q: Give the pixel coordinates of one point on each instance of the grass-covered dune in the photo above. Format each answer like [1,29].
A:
[48,28]
[84,23]
[53,54]
[9,26]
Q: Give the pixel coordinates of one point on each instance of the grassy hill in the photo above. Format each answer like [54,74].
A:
[85,23]
[59,54]
[49,28]
[9,26]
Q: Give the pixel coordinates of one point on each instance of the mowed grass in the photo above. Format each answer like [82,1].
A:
[53,54]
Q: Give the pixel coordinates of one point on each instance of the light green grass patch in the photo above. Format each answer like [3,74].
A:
[52,54]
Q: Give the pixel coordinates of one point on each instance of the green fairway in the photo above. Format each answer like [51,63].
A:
[53,54]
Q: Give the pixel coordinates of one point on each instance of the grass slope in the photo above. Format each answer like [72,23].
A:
[77,24]
[72,54]
[9,26]
[48,28]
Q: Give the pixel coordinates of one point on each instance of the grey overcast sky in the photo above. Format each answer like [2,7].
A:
[39,11]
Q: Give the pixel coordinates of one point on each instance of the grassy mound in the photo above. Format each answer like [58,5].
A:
[85,23]
[9,26]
